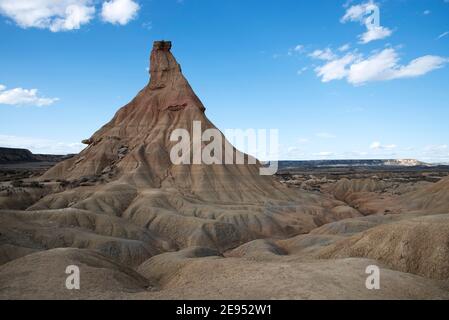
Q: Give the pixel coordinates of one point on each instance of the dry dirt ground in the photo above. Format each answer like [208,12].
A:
[121,259]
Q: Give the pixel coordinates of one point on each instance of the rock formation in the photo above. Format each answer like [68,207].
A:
[134,147]
[218,205]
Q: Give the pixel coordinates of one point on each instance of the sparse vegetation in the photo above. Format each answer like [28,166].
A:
[17,183]
[35,184]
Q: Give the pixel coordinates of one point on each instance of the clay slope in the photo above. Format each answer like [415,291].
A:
[182,275]
[418,245]
[198,273]
[42,276]
[432,199]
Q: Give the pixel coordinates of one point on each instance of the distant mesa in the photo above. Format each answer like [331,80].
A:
[352,163]
[16,155]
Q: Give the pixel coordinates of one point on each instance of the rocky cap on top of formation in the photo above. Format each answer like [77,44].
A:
[164,69]
[162,45]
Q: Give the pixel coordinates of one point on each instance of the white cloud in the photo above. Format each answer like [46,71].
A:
[147,25]
[20,97]
[376,33]
[356,13]
[437,147]
[302,70]
[65,15]
[323,154]
[436,153]
[326,135]
[419,67]
[344,47]
[375,68]
[365,14]
[62,15]
[296,50]
[378,146]
[119,11]
[443,35]
[37,145]
[325,54]
[336,69]
[384,66]
[293,150]
[380,66]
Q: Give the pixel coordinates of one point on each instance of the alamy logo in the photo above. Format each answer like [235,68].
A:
[372,21]
[73,280]
[373,280]
[210,147]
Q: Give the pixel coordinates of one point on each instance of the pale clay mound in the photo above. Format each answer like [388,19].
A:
[419,246]
[34,276]
[433,198]
[148,229]
[230,278]
[370,196]
[112,236]
[197,274]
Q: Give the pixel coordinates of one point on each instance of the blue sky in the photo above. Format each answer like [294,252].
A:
[333,85]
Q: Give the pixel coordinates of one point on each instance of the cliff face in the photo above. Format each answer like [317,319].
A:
[15,155]
[9,155]
[292,164]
